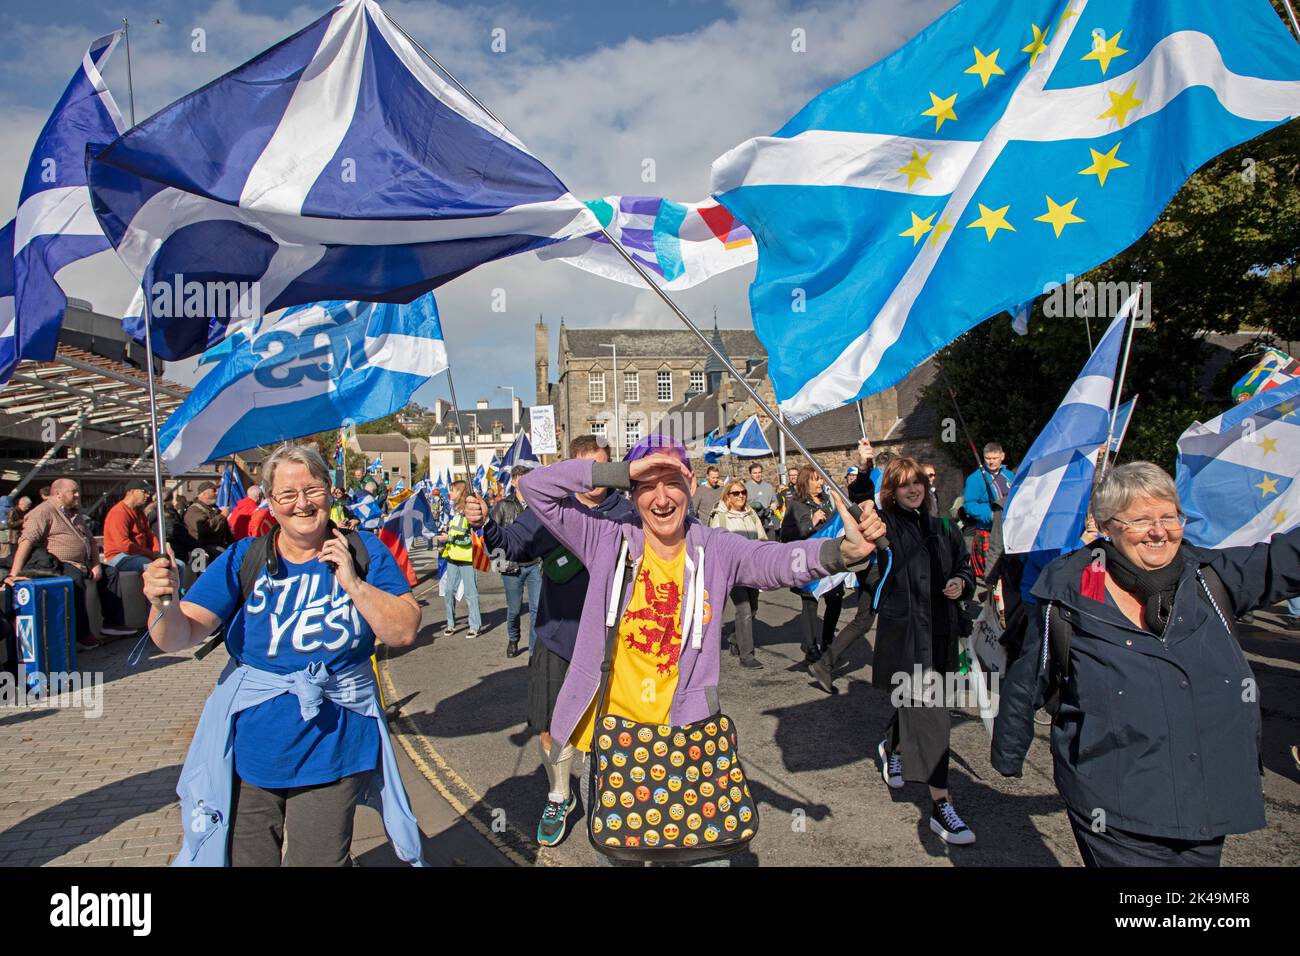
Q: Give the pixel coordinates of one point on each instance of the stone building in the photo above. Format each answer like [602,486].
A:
[672,384]
[486,432]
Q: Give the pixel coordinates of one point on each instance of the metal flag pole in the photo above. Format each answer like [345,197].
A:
[1119,386]
[618,247]
[460,432]
[862,423]
[148,346]
[979,462]
[1294,23]
[1119,442]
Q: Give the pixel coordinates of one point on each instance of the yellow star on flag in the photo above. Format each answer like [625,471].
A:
[915,169]
[1280,517]
[1039,45]
[941,110]
[1268,444]
[1103,51]
[1287,409]
[1121,104]
[991,220]
[1268,486]
[1103,163]
[1065,16]
[986,66]
[919,227]
[1059,216]
[940,228]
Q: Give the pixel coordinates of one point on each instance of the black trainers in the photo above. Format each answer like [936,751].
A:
[891,767]
[750,662]
[820,670]
[550,830]
[950,827]
[512,649]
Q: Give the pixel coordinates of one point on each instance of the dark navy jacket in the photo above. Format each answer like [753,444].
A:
[560,606]
[1159,734]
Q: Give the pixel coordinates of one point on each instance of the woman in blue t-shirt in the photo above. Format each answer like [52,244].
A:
[309,616]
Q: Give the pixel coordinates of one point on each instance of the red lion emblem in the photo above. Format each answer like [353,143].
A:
[660,634]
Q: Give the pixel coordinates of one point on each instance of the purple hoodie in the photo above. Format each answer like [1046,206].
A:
[729,560]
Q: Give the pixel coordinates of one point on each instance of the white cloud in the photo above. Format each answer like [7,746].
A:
[679,100]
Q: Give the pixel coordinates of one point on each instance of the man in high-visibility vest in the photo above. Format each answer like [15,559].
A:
[458,550]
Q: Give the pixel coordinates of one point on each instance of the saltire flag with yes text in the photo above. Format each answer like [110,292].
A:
[1012,142]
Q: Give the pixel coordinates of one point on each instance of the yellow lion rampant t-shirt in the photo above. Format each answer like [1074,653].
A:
[643,677]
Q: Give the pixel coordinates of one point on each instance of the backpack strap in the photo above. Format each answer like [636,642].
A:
[1056,654]
[1220,600]
[262,553]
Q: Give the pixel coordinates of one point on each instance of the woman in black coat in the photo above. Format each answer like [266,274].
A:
[926,573]
[1155,733]
[808,510]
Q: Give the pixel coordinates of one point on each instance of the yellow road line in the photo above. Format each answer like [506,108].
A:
[440,769]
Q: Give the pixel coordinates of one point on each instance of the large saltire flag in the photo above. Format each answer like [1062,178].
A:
[1011,143]
[1047,505]
[679,244]
[337,164]
[318,365]
[832,528]
[1238,475]
[56,226]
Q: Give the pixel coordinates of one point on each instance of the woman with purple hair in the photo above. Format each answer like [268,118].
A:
[660,576]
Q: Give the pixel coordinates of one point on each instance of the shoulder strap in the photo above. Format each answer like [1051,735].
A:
[262,554]
[1056,647]
[613,622]
[1220,600]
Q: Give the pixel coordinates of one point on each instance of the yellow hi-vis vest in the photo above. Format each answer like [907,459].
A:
[458,547]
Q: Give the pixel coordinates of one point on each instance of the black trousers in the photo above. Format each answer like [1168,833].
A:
[79,578]
[1111,847]
[318,820]
[745,601]
[808,618]
[921,736]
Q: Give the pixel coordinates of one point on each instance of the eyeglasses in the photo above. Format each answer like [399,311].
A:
[287,497]
[1144,525]
[738,494]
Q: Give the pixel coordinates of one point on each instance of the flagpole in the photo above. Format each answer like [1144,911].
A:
[460,432]
[618,247]
[148,345]
[1291,14]
[857,404]
[1119,386]
[979,462]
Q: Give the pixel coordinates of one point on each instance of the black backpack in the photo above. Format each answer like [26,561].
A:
[1060,633]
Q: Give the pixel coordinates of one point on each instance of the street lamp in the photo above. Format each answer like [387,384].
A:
[607,345]
[514,422]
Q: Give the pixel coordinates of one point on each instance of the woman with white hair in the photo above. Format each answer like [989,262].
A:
[1130,646]
[292,737]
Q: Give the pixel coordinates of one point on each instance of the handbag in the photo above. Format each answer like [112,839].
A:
[561,566]
[664,793]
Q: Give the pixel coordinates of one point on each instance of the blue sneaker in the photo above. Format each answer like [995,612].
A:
[551,828]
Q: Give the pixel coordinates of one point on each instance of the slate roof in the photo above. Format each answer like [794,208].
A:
[659,344]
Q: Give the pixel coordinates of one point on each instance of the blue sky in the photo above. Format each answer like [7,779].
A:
[594,89]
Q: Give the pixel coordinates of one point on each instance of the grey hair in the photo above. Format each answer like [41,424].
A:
[1137,479]
[298,454]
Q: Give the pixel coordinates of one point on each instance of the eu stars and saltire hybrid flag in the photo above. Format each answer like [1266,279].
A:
[56,225]
[1238,475]
[336,165]
[1009,144]
[318,365]
[1047,505]
[679,244]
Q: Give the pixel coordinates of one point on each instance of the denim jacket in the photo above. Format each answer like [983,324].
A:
[207,779]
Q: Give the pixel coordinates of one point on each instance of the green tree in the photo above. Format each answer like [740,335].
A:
[1221,258]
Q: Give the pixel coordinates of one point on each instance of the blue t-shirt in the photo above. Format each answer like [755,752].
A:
[299,616]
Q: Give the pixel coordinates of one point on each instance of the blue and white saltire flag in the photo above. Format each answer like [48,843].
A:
[1009,144]
[1047,505]
[520,452]
[367,510]
[833,528]
[479,477]
[336,165]
[377,465]
[56,225]
[318,365]
[8,326]
[1123,415]
[1238,475]
[231,490]
[414,517]
[745,440]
